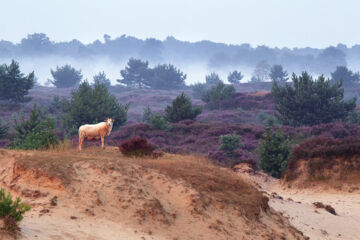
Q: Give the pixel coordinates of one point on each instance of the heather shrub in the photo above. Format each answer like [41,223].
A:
[228,143]
[38,132]
[238,156]
[136,147]
[274,152]
[3,129]
[158,122]
[9,207]
[181,109]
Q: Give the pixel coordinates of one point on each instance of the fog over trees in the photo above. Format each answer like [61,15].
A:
[196,59]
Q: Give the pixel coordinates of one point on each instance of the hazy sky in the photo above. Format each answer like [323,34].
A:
[292,23]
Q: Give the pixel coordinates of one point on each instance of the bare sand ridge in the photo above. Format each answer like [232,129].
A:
[296,204]
[103,195]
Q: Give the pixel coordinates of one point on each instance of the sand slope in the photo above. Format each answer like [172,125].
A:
[297,205]
[102,195]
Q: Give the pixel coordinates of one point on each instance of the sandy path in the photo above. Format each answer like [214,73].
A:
[297,206]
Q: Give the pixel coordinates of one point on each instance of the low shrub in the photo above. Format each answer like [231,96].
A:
[38,132]
[158,122]
[238,156]
[181,109]
[274,152]
[138,147]
[229,143]
[3,129]
[9,207]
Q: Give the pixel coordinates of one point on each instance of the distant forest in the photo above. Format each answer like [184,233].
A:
[216,55]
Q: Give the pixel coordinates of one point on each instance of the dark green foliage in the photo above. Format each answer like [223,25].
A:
[212,79]
[92,104]
[219,96]
[38,132]
[14,85]
[353,117]
[136,74]
[158,122]
[147,114]
[181,109]
[3,129]
[198,89]
[274,153]
[277,73]
[311,102]
[229,143]
[349,78]
[235,77]
[267,119]
[66,76]
[166,76]
[101,78]
[9,207]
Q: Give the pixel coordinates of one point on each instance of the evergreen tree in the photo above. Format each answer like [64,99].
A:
[198,89]
[136,74]
[235,77]
[66,76]
[166,76]
[181,109]
[101,78]
[147,114]
[343,73]
[311,102]
[277,73]
[212,79]
[37,132]
[219,96]
[274,153]
[14,85]
[92,104]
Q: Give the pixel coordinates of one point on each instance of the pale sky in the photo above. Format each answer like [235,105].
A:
[290,23]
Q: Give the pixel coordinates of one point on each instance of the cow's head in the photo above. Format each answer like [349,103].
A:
[109,121]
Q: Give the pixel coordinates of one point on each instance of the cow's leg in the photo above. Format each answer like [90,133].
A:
[81,140]
[102,142]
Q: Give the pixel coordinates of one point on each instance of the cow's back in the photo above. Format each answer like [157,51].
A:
[91,130]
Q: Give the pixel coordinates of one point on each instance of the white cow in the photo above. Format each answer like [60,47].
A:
[95,131]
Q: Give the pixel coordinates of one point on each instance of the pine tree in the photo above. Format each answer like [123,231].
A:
[274,153]
[66,76]
[181,109]
[14,85]
[311,102]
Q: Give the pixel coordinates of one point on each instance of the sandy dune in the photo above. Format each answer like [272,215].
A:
[102,195]
[297,206]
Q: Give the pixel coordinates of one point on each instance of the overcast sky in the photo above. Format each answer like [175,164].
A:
[291,23]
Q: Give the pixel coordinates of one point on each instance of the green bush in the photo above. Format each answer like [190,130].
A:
[198,89]
[9,207]
[35,133]
[181,109]
[92,104]
[147,114]
[158,122]
[219,96]
[274,153]
[228,143]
